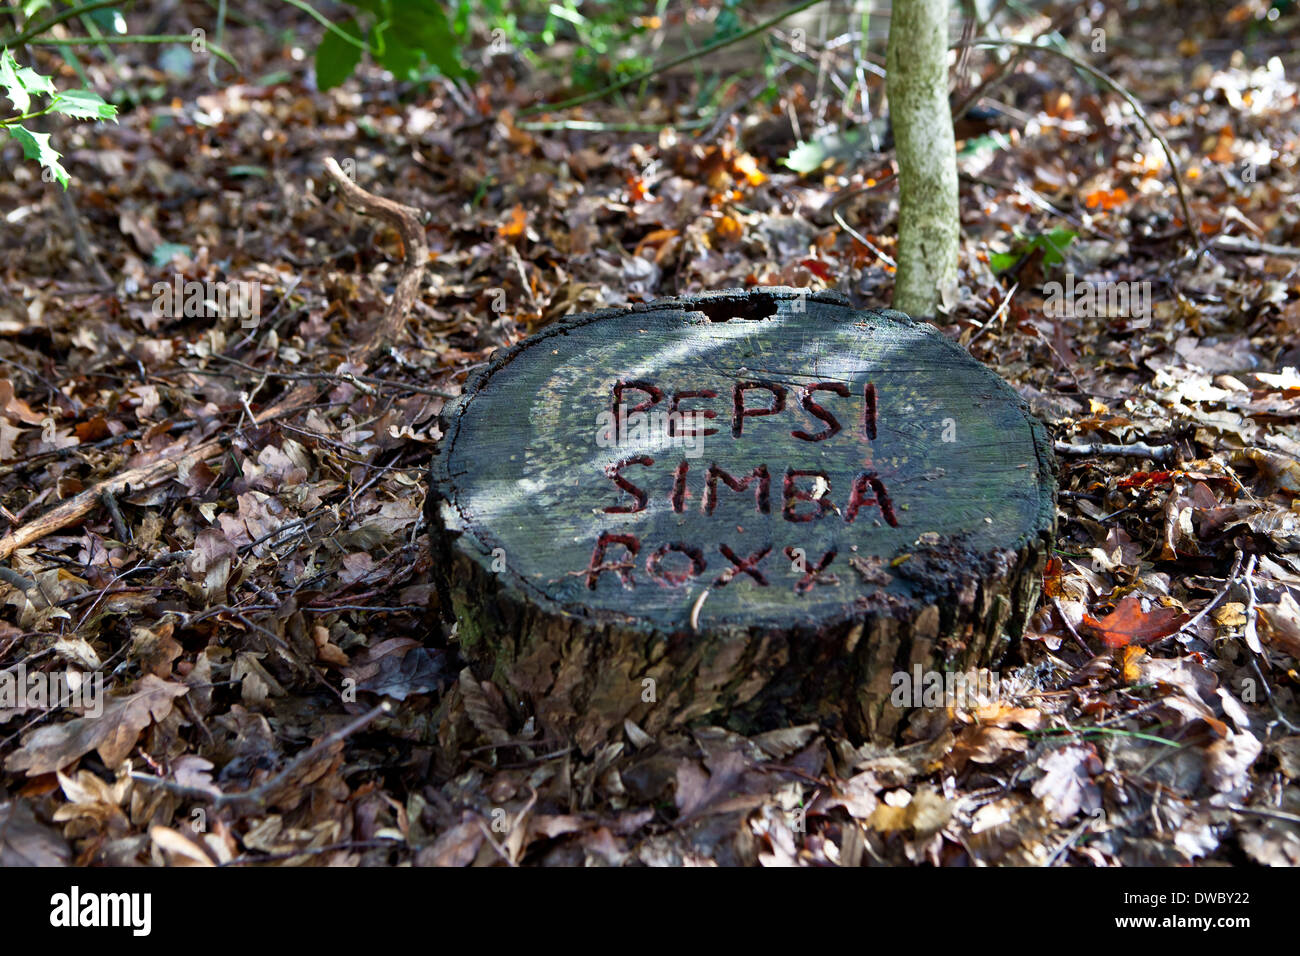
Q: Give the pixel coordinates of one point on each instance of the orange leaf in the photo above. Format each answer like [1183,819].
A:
[515,227]
[1141,479]
[1222,152]
[1128,662]
[1107,200]
[1052,577]
[656,238]
[818,268]
[729,229]
[1129,624]
[746,166]
[636,189]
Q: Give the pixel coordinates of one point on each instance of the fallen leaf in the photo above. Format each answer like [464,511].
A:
[113,734]
[1229,759]
[1128,623]
[1066,786]
[26,841]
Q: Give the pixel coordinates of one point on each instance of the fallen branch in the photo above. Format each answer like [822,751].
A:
[179,461]
[1135,450]
[1249,247]
[407,222]
[260,795]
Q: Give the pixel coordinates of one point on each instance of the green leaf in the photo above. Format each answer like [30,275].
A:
[110,20]
[805,157]
[842,146]
[1002,261]
[83,104]
[13,86]
[336,58]
[37,146]
[1054,245]
[165,252]
[33,82]
[177,61]
[420,30]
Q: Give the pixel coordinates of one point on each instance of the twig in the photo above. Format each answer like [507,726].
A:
[1001,309]
[839,220]
[1252,641]
[1251,634]
[22,583]
[31,461]
[1250,247]
[380,843]
[85,251]
[407,222]
[740,103]
[109,500]
[1069,626]
[360,382]
[258,795]
[1214,602]
[1265,812]
[1135,450]
[142,38]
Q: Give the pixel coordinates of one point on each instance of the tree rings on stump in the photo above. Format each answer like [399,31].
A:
[755,507]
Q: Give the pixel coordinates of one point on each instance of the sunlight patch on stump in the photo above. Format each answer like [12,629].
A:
[751,507]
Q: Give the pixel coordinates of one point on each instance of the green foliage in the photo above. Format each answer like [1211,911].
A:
[412,38]
[405,37]
[599,31]
[21,85]
[845,146]
[1053,245]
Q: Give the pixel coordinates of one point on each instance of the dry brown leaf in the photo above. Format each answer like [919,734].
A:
[113,734]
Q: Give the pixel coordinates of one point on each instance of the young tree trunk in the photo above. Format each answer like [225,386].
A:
[928,223]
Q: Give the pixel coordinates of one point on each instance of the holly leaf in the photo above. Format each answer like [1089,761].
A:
[33,82]
[1129,624]
[37,146]
[84,104]
[13,86]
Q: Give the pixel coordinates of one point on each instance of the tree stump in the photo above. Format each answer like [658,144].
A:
[756,507]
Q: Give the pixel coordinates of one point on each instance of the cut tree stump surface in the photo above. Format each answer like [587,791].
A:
[751,505]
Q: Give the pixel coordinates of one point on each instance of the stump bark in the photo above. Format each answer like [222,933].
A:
[756,508]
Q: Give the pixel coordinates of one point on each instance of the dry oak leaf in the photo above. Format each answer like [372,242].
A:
[1128,662]
[1067,786]
[987,744]
[113,734]
[1129,624]
[1229,759]
[1001,714]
